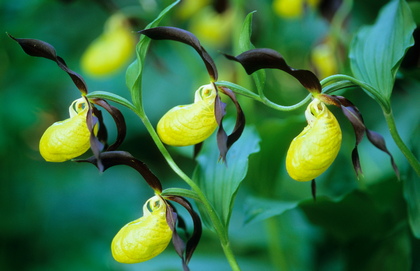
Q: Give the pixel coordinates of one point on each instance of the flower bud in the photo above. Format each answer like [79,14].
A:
[316,147]
[111,50]
[186,125]
[67,139]
[144,238]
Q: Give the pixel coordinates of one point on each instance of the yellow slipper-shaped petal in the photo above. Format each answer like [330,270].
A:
[144,238]
[186,125]
[316,147]
[67,139]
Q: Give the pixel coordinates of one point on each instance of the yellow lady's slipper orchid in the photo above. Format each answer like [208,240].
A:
[316,147]
[186,125]
[111,50]
[144,238]
[69,138]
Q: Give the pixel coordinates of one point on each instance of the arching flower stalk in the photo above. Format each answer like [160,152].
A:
[84,129]
[315,149]
[192,124]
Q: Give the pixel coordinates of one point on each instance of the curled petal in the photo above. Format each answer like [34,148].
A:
[265,58]
[186,37]
[316,147]
[144,238]
[39,48]
[65,140]
[186,125]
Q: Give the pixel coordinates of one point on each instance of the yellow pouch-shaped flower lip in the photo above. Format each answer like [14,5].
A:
[111,50]
[186,125]
[144,238]
[67,139]
[316,147]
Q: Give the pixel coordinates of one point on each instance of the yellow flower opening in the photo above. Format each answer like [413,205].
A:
[316,147]
[111,50]
[144,238]
[67,139]
[186,125]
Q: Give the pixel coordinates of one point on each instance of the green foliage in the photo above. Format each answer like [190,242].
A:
[135,70]
[64,216]
[377,50]
[221,181]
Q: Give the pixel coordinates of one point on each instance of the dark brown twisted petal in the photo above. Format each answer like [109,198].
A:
[355,117]
[184,36]
[115,158]
[102,133]
[225,141]
[185,251]
[265,58]
[119,122]
[39,48]
[95,144]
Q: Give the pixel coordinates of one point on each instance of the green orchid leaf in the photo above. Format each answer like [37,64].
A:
[134,72]
[412,188]
[376,51]
[258,209]
[220,181]
[245,44]
[377,217]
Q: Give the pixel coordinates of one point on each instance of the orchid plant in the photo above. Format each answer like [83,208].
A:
[375,56]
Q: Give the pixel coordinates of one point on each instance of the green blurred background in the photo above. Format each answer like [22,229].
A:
[63,216]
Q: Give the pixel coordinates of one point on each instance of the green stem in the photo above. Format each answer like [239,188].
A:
[217,223]
[339,19]
[277,254]
[415,164]
[371,91]
[247,93]
[230,257]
